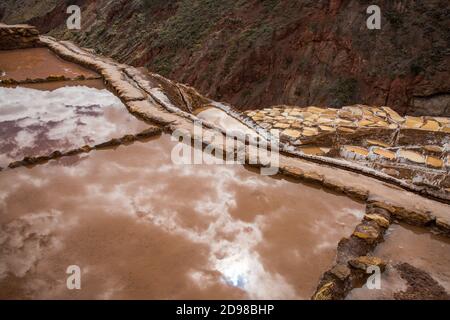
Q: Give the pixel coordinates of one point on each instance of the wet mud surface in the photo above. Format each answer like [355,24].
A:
[142,227]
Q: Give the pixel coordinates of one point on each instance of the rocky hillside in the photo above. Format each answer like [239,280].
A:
[257,53]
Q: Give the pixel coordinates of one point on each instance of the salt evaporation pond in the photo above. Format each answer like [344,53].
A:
[36,122]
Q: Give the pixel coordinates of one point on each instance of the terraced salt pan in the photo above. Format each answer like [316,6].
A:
[415,246]
[35,122]
[53,85]
[141,227]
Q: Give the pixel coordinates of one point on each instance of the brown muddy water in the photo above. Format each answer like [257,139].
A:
[37,122]
[415,246]
[38,63]
[140,227]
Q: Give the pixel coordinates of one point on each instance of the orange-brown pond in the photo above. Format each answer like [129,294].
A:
[36,122]
[422,250]
[140,226]
[38,63]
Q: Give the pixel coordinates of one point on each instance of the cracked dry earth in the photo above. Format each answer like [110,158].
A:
[88,180]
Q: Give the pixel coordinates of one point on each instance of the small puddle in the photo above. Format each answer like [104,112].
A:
[415,246]
[141,227]
[38,63]
[35,122]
